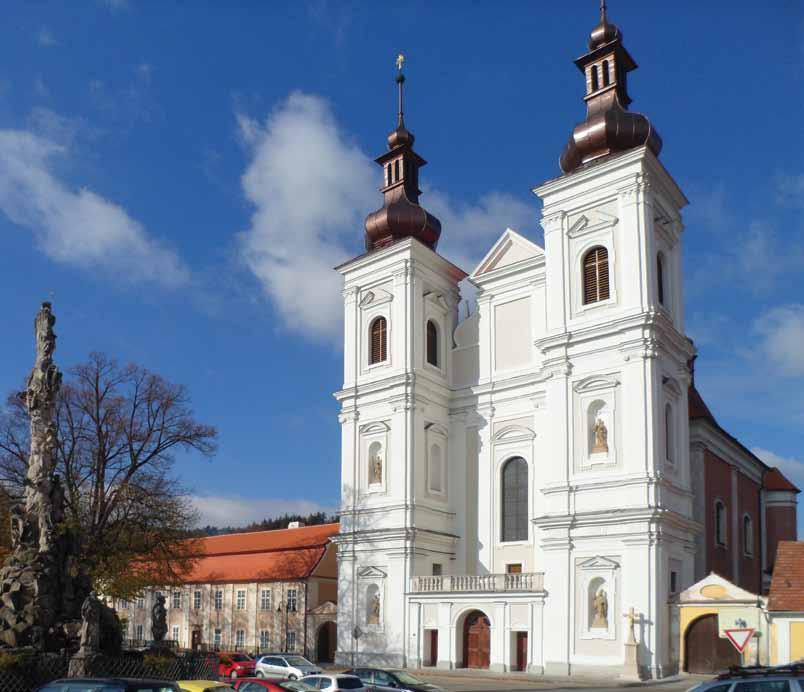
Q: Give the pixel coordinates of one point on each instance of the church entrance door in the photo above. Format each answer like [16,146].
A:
[704,651]
[476,640]
[327,639]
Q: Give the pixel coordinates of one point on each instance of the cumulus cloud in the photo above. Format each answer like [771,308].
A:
[76,227]
[311,187]
[234,510]
[782,338]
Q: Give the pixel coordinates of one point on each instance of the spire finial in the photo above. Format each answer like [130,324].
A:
[400,80]
[603,10]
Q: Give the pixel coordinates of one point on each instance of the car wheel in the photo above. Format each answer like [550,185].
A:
[260,674]
[291,677]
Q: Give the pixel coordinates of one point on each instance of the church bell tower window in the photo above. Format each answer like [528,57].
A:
[379,341]
[596,275]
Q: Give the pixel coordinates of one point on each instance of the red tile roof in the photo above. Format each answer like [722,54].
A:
[260,555]
[774,479]
[787,585]
[697,406]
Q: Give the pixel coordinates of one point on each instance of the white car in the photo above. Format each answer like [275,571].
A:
[335,682]
[290,666]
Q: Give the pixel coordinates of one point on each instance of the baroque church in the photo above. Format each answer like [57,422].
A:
[516,483]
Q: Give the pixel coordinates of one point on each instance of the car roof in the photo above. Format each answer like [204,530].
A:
[126,681]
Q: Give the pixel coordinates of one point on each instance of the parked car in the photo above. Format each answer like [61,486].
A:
[109,685]
[382,679]
[290,666]
[335,682]
[787,678]
[203,686]
[276,685]
[235,665]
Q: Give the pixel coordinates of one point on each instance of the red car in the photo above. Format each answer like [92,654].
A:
[234,665]
[263,685]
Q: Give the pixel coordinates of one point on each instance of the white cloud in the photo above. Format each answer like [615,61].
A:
[782,333]
[45,38]
[311,188]
[78,227]
[233,510]
[789,466]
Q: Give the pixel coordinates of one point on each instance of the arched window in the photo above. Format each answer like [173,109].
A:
[432,343]
[396,170]
[660,278]
[388,179]
[669,441]
[748,535]
[595,275]
[595,82]
[606,78]
[435,472]
[515,500]
[720,523]
[379,341]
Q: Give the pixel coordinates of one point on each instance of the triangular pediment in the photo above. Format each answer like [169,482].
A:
[325,608]
[599,562]
[714,588]
[589,222]
[375,572]
[511,248]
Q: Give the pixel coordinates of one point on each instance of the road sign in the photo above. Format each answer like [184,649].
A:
[739,637]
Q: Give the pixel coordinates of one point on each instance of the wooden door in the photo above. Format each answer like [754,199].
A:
[433,647]
[196,640]
[521,650]
[704,651]
[476,640]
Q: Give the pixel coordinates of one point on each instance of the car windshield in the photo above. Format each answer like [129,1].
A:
[297,661]
[407,678]
[239,657]
[349,683]
[295,686]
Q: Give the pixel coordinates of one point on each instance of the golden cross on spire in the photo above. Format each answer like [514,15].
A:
[400,60]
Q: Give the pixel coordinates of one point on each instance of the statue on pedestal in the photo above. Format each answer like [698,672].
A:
[601,606]
[159,619]
[601,432]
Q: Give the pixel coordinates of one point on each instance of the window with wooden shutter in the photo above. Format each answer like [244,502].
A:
[596,275]
[379,341]
[432,343]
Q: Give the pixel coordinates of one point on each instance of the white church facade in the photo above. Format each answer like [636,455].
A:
[514,483]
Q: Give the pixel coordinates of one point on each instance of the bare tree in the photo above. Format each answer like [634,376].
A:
[120,428]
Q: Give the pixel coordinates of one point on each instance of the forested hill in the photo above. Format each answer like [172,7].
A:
[280,522]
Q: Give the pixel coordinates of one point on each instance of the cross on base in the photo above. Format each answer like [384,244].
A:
[633,617]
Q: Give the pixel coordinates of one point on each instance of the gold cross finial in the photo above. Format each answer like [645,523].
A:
[400,60]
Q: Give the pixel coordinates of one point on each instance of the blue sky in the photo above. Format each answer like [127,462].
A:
[180,177]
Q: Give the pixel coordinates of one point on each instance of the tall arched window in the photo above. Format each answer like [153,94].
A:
[720,523]
[595,275]
[748,535]
[432,343]
[605,69]
[595,82]
[669,438]
[396,171]
[660,278]
[515,500]
[379,341]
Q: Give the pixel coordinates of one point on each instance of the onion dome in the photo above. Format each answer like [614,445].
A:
[401,216]
[609,127]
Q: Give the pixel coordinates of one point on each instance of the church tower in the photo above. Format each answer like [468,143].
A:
[397,512]
[615,521]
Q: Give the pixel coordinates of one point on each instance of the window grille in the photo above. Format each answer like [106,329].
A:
[596,275]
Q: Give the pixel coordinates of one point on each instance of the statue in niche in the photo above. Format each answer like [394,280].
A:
[374,610]
[601,608]
[601,432]
[376,470]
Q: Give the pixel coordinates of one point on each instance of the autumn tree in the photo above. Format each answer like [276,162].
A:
[120,429]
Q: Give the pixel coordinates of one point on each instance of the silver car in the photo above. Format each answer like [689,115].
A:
[290,666]
[335,682]
[788,678]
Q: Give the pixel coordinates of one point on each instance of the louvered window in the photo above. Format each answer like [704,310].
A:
[596,275]
[379,341]
[432,343]
[515,500]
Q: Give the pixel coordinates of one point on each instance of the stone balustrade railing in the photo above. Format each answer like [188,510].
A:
[478,583]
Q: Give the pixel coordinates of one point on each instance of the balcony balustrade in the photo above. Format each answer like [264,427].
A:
[478,583]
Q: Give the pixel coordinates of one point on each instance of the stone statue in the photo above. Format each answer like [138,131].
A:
[374,613]
[159,619]
[601,445]
[376,470]
[91,624]
[601,606]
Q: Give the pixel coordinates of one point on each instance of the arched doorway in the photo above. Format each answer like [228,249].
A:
[704,651]
[326,641]
[476,640]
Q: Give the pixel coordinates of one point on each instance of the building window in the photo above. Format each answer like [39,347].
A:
[514,568]
[432,343]
[216,639]
[264,640]
[673,581]
[175,633]
[669,438]
[218,600]
[436,470]
[176,600]
[139,633]
[605,70]
[240,603]
[596,275]
[291,605]
[240,639]
[720,523]
[437,569]
[379,341]
[123,605]
[265,599]
[515,500]
[197,600]
[660,278]
[595,81]
[291,641]
[140,601]
[748,536]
